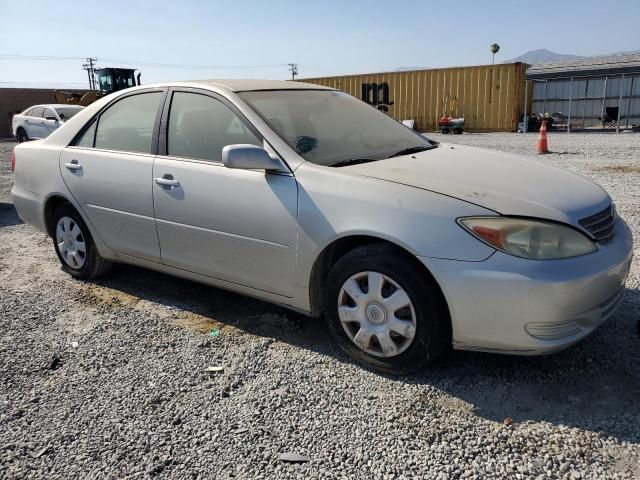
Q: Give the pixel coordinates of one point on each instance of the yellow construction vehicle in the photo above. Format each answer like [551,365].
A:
[108,80]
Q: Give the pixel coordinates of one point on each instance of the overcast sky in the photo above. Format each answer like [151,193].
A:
[256,39]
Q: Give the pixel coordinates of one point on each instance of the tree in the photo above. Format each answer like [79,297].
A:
[495,48]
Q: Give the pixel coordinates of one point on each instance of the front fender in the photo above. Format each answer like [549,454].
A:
[334,204]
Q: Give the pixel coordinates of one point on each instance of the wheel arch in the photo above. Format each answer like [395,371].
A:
[19,127]
[332,252]
[50,206]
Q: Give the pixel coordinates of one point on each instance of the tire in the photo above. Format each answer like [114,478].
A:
[427,312]
[21,135]
[445,130]
[74,245]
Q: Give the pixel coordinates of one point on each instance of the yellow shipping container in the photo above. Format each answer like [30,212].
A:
[489,97]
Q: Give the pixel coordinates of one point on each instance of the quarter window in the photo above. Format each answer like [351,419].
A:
[86,140]
[128,124]
[200,126]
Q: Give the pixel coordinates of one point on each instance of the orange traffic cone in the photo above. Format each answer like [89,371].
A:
[541,147]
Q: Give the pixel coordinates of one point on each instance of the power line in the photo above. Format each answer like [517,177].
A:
[38,57]
[141,63]
[41,83]
[192,67]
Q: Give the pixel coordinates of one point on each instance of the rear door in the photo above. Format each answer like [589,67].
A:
[34,123]
[235,225]
[108,169]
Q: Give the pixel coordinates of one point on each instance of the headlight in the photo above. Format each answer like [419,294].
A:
[537,240]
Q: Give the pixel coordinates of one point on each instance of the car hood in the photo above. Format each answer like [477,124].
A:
[505,183]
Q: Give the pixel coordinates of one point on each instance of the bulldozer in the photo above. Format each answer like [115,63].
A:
[108,80]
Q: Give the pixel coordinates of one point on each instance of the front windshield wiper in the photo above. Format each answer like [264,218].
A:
[407,151]
[353,161]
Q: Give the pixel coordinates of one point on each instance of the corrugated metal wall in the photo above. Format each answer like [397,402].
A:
[489,97]
[590,96]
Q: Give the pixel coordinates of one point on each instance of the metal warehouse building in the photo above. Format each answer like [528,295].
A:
[489,97]
[590,92]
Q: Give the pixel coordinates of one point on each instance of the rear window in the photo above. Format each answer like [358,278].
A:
[65,113]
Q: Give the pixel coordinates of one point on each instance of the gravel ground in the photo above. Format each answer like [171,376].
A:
[105,379]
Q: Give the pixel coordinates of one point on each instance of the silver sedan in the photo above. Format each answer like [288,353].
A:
[304,196]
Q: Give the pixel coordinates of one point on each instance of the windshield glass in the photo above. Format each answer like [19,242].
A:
[328,127]
[65,113]
[111,80]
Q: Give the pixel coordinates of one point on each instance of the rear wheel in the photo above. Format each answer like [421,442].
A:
[21,135]
[74,246]
[384,312]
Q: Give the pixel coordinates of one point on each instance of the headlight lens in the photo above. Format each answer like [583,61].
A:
[532,239]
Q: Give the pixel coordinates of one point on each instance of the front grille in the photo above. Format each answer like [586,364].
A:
[601,224]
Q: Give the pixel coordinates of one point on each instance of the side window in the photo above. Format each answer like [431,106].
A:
[36,112]
[86,140]
[49,113]
[127,125]
[200,126]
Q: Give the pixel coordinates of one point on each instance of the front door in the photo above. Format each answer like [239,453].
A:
[51,122]
[109,172]
[235,225]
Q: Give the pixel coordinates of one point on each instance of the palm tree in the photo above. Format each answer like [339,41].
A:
[495,48]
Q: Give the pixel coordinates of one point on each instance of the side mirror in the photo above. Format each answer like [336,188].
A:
[249,157]
[51,118]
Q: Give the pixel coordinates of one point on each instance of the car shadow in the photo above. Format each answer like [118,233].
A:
[594,385]
[8,215]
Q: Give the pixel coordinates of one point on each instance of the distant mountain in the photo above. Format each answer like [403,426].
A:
[406,69]
[543,55]
[628,52]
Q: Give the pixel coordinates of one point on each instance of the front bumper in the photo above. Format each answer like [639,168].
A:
[513,305]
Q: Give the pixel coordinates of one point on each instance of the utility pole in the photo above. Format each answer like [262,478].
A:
[293,68]
[89,67]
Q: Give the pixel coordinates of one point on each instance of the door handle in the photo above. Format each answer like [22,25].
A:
[73,165]
[167,181]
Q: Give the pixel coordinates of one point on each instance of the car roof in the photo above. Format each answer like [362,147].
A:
[54,105]
[246,85]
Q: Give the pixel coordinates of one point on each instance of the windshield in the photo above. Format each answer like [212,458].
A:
[65,113]
[112,80]
[330,128]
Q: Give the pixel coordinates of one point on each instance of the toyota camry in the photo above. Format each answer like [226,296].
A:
[304,196]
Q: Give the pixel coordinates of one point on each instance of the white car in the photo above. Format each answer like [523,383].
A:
[40,121]
[307,197]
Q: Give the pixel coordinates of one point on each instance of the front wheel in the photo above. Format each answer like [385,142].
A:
[74,246]
[385,312]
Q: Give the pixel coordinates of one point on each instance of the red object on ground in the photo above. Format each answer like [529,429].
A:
[541,147]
